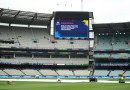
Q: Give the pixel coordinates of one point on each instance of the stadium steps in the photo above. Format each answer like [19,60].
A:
[15,35]
[91,73]
[93,70]
[57,73]
[5,72]
[109,73]
[34,37]
[22,72]
[124,72]
[73,73]
[40,72]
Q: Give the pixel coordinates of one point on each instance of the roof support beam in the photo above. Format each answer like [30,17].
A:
[15,17]
[34,17]
[1,12]
[111,29]
[42,19]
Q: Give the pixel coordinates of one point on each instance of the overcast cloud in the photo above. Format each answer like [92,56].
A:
[105,11]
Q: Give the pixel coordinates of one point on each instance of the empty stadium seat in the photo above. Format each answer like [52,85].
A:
[127,73]
[101,72]
[120,42]
[13,72]
[65,72]
[103,42]
[24,36]
[82,72]
[101,55]
[112,42]
[2,72]
[116,72]
[48,72]
[30,72]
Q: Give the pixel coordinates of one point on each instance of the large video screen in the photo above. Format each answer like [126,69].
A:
[71,28]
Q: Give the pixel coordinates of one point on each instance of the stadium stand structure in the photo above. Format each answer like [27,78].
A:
[34,51]
[111,49]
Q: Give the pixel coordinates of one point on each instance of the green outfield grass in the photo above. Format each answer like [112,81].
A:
[62,86]
[109,79]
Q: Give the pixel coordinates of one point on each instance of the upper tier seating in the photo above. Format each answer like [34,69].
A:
[120,42]
[6,33]
[37,38]
[103,42]
[62,44]
[43,38]
[112,42]
[81,44]
[47,60]
[24,36]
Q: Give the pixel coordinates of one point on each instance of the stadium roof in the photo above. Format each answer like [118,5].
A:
[73,14]
[24,17]
[112,28]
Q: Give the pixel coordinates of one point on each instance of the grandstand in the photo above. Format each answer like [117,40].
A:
[27,51]
[111,49]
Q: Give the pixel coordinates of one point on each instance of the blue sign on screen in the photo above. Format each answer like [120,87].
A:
[71,28]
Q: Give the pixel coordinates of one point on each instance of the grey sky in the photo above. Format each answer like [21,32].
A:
[105,11]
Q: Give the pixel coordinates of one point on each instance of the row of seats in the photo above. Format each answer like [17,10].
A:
[102,42]
[47,60]
[111,73]
[45,72]
[112,55]
[63,72]
[112,42]
[37,38]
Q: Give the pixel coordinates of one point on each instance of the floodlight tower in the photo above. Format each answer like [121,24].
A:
[81,5]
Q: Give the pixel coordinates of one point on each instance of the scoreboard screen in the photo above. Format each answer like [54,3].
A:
[76,28]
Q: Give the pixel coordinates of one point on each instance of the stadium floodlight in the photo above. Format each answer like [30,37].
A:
[81,5]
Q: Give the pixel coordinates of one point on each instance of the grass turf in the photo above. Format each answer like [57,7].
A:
[63,86]
[109,79]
